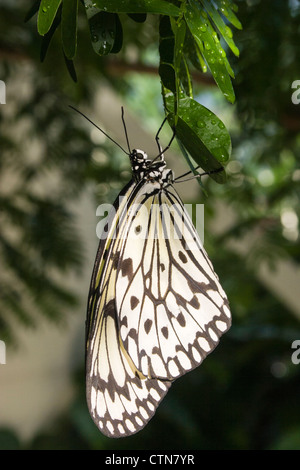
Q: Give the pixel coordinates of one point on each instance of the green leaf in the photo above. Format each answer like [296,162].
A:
[185,78]
[105,28]
[46,15]
[193,53]
[48,36]
[222,27]
[179,29]
[159,7]
[103,31]
[118,36]
[71,69]
[203,135]
[228,13]
[69,27]
[208,43]
[166,53]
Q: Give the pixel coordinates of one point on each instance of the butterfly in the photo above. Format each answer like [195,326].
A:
[156,308]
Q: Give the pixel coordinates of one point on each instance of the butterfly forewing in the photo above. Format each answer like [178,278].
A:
[171,306]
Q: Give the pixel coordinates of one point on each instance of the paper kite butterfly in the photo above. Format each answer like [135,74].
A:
[156,308]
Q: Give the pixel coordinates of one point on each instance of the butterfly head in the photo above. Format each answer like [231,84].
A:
[145,169]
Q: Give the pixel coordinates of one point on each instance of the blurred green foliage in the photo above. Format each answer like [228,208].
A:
[246,394]
[189,37]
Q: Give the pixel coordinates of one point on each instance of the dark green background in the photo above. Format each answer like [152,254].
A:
[246,394]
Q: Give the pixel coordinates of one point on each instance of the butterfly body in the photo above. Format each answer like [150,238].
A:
[156,307]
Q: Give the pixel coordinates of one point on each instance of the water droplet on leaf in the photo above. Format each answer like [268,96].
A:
[228,32]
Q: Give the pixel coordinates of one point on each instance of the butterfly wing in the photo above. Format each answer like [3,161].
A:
[121,400]
[171,307]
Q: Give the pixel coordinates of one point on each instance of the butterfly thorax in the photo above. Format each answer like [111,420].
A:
[149,170]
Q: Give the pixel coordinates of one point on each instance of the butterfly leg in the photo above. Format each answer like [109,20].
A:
[162,151]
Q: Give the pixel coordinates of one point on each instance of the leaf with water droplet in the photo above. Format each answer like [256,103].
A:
[192,51]
[231,17]
[202,133]
[105,29]
[46,39]
[211,50]
[222,27]
[47,13]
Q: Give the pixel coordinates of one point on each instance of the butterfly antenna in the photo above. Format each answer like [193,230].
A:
[99,128]
[124,125]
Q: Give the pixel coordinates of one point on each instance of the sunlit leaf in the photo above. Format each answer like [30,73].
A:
[46,15]
[222,27]
[228,12]
[209,45]
[203,134]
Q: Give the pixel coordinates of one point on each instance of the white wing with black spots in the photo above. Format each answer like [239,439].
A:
[172,308]
[156,307]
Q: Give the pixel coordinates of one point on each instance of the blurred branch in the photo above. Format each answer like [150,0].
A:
[114,67]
